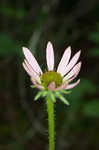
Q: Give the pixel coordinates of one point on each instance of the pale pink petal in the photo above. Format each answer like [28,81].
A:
[70,86]
[27,69]
[64,61]
[72,78]
[36,84]
[50,56]
[51,86]
[62,86]
[72,62]
[32,71]
[74,71]
[32,61]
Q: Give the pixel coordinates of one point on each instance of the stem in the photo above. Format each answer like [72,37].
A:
[50,110]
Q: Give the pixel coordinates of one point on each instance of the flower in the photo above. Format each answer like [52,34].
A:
[53,83]
[53,80]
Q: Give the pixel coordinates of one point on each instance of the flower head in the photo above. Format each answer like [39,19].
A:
[53,80]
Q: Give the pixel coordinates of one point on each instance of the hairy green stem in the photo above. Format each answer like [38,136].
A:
[50,110]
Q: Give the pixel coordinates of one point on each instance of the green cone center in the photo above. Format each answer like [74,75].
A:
[50,76]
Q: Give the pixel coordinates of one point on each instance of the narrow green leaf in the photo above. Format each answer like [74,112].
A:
[32,86]
[62,98]
[38,96]
[65,92]
[52,96]
[44,93]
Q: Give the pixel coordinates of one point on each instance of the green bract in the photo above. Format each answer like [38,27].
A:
[52,95]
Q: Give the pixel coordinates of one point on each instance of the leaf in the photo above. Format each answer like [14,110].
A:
[94,37]
[11,12]
[52,96]
[65,92]
[44,93]
[62,98]
[10,47]
[38,95]
[91,109]
[32,86]
[95,52]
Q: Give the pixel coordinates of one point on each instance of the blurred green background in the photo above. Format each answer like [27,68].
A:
[32,23]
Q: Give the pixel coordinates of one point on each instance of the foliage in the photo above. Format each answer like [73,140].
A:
[91,109]
[94,37]
[8,46]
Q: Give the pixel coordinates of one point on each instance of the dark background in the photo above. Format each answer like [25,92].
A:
[32,23]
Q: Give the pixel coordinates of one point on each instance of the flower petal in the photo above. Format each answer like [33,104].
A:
[36,84]
[27,69]
[50,56]
[72,62]
[70,86]
[73,72]
[62,86]
[32,71]
[72,78]
[32,61]
[64,61]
